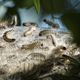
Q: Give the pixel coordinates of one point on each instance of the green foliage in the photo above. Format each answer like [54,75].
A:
[28,4]
[23,3]
[72,22]
[37,5]
[53,6]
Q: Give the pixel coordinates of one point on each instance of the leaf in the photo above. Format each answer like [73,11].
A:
[37,5]
[23,3]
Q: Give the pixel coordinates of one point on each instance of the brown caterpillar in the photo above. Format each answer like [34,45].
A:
[29,31]
[31,27]
[37,56]
[44,32]
[50,23]
[6,38]
[30,46]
